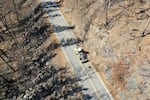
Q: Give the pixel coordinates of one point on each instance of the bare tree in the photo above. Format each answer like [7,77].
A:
[106,12]
[3,56]
[146,26]
[16,9]
[4,21]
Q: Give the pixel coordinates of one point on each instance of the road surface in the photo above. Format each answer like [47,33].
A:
[93,86]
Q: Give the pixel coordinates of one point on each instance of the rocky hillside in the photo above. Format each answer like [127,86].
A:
[116,33]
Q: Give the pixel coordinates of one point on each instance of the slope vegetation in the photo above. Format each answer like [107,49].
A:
[28,48]
[116,33]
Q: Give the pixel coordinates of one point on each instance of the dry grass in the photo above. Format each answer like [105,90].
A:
[129,50]
[120,72]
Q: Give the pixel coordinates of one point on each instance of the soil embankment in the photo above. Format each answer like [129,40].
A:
[117,37]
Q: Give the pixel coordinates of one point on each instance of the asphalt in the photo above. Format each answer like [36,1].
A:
[91,83]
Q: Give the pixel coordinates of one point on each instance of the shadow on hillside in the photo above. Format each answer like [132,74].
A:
[36,37]
[53,46]
[41,60]
[36,33]
[39,34]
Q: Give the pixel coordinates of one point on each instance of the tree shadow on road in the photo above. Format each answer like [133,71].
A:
[70,41]
[62,28]
[50,4]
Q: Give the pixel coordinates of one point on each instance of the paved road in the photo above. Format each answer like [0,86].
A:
[93,86]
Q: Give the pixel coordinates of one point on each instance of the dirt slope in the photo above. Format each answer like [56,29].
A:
[118,50]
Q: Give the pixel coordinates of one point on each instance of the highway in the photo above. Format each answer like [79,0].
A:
[93,86]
